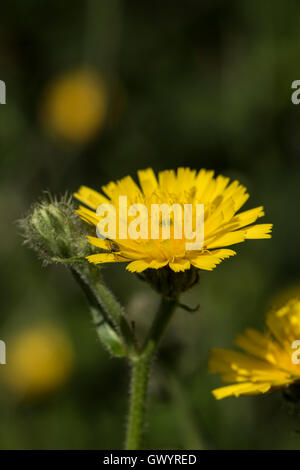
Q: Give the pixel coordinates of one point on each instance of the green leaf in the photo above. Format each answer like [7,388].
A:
[111,340]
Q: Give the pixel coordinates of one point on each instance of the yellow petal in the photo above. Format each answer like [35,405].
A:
[209,261]
[249,217]
[206,262]
[127,187]
[180,265]
[87,215]
[223,253]
[227,239]
[147,181]
[90,197]
[157,264]
[225,360]
[100,242]
[202,182]
[109,189]
[258,344]
[137,266]
[259,231]
[246,388]
[284,323]
[167,180]
[185,178]
[100,258]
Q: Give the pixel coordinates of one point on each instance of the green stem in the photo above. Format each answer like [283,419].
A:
[88,284]
[138,396]
[140,374]
[108,315]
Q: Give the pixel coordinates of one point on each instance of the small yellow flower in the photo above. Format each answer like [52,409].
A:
[75,105]
[39,360]
[271,358]
[223,225]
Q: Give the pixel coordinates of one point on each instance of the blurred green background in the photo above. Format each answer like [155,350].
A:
[198,84]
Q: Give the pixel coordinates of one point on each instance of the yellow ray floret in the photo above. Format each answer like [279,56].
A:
[269,361]
[224,225]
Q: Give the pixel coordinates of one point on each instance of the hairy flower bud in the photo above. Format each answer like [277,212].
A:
[55,232]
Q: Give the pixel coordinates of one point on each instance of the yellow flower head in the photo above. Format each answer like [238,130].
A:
[270,360]
[39,360]
[223,225]
[75,105]
[281,297]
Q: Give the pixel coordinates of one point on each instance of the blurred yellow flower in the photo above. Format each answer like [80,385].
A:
[223,226]
[289,292]
[75,105]
[39,360]
[271,360]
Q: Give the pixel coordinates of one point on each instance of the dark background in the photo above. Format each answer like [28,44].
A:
[198,84]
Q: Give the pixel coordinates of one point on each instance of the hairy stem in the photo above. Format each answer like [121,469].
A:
[141,368]
[108,316]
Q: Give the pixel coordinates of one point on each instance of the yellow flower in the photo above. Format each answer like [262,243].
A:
[75,105]
[223,226]
[280,298]
[271,358]
[39,360]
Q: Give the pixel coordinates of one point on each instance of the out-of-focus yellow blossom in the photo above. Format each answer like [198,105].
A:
[223,225]
[39,360]
[75,105]
[282,297]
[270,360]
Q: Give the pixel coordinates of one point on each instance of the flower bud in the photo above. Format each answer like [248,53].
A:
[55,232]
